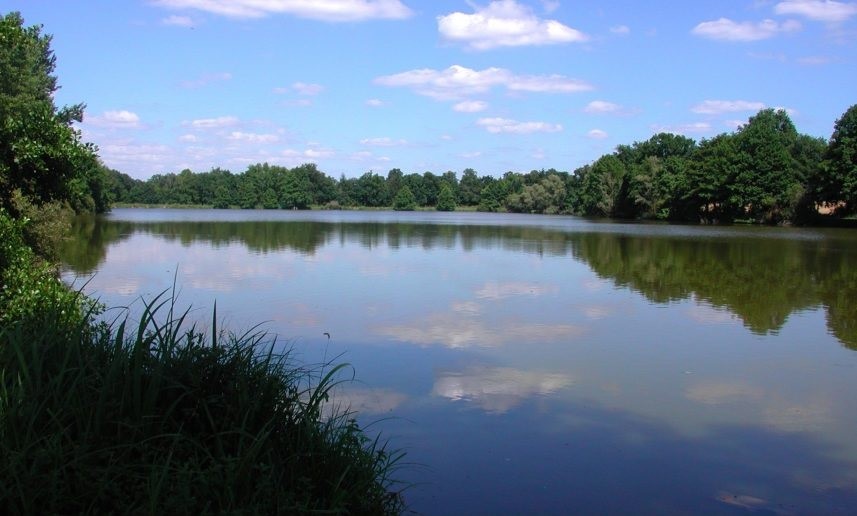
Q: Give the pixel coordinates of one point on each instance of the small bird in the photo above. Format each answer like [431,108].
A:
[328,335]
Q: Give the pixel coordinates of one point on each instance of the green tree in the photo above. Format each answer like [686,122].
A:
[405,200]
[41,154]
[839,182]
[446,198]
[469,188]
[766,181]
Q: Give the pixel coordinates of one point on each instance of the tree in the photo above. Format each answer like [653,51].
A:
[41,155]
[839,183]
[405,200]
[469,188]
[766,179]
[372,190]
[446,198]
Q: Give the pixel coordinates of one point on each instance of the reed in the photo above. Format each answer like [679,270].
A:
[156,416]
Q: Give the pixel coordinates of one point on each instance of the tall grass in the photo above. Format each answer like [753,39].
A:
[158,417]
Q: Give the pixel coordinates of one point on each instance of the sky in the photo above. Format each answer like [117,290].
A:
[370,85]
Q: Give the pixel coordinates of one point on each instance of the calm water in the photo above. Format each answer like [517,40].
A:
[542,365]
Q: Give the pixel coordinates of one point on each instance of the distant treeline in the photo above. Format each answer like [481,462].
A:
[765,171]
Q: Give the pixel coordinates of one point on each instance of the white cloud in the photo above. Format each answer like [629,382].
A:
[717,107]
[458,82]
[471,155]
[505,125]
[382,142]
[504,23]
[188,138]
[326,10]
[213,123]
[375,103]
[308,89]
[818,10]
[548,84]
[205,80]
[470,106]
[620,29]
[597,134]
[602,107]
[550,5]
[316,153]
[178,21]
[728,30]
[692,128]
[252,137]
[814,60]
[120,119]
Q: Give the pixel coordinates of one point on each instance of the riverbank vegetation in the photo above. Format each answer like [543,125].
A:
[765,172]
[104,414]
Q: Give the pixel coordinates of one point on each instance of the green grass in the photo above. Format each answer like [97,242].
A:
[157,417]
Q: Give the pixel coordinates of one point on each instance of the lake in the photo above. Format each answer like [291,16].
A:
[540,364]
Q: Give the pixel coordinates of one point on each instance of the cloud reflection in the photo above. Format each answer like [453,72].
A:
[495,291]
[461,330]
[364,400]
[497,389]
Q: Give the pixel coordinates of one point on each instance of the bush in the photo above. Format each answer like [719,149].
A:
[32,295]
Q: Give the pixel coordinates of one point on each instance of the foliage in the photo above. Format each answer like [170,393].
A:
[405,200]
[30,286]
[446,198]
[840,163]
[41,155]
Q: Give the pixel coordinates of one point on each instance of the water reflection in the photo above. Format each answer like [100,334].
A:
[497,389]
[544,364]
[759,278]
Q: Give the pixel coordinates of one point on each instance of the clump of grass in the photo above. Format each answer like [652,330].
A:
[157,417]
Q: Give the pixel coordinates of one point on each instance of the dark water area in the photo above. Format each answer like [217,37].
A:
[540,365]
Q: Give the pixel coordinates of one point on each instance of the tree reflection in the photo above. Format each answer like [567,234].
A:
[760,279]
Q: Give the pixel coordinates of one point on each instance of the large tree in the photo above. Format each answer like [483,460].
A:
[42,157]
[840,163]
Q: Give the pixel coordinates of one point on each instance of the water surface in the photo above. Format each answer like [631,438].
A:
[544,365]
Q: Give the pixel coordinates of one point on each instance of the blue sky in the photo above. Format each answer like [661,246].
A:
[360,85]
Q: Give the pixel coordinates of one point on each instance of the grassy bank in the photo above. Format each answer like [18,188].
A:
[154,416]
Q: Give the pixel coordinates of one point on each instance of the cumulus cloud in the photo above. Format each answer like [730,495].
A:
[504,23]
[597,134]
[691,128]
[383,142]
[459,82]
[326,10]
[309,89]
[716,107]
[620,29]
[470,106]
[252,137]
[188,138]
[506,125]
[818,10]
[120,119]
[602,107]
[178,21]
[213,123]
[205,80]
[375,103]
[725,29]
